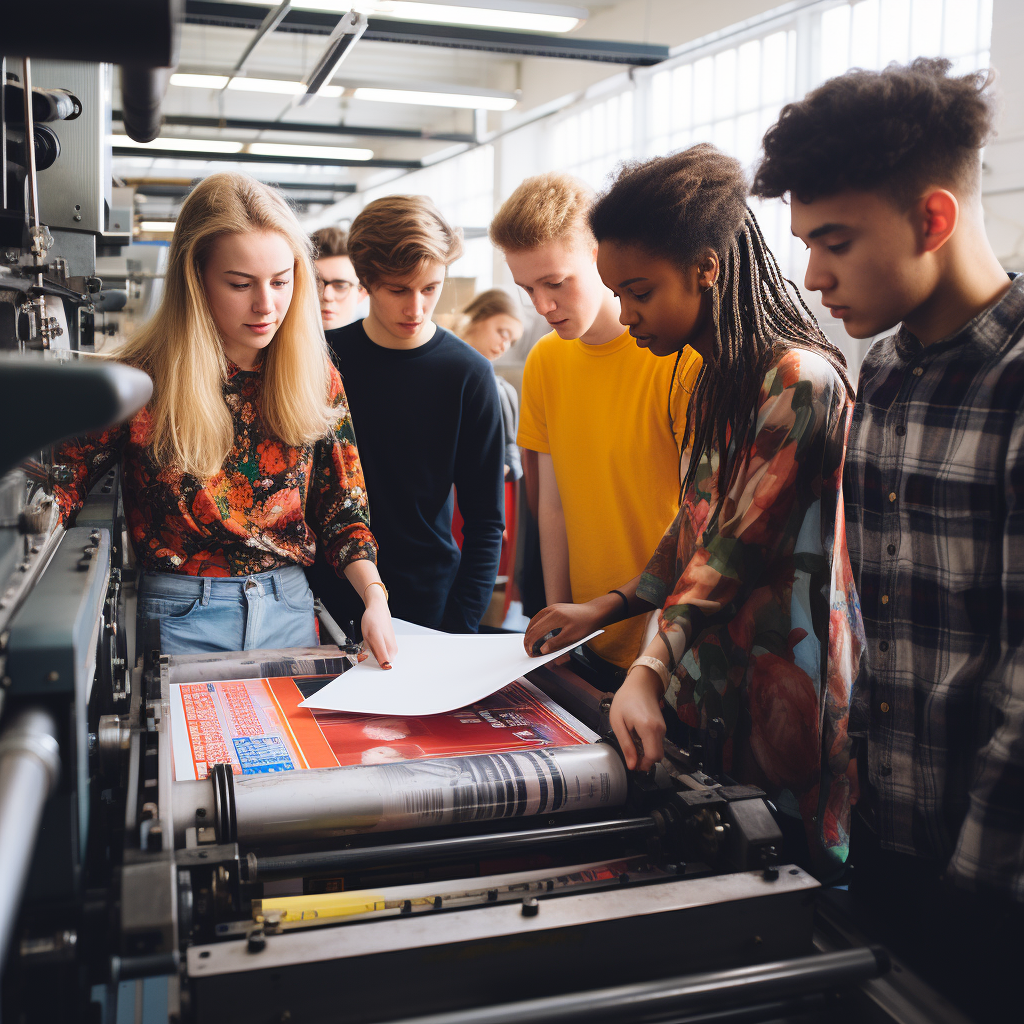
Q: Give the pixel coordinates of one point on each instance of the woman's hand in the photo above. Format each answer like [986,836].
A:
[378,632]
[574,620]
[636,714]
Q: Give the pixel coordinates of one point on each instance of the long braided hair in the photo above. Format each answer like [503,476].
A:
[677,208]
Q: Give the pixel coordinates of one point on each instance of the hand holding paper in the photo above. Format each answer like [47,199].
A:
[436,673]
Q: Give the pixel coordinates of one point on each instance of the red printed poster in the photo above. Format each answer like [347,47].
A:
[257,726]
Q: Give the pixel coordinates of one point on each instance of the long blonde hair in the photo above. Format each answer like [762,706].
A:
[180,348]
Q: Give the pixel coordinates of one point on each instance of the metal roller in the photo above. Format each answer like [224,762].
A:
[326,803]
[29,770]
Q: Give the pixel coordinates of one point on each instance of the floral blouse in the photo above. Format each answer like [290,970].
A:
[264,510]
[760,623]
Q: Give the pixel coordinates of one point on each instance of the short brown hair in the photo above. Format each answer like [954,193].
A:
[541,209]
[396,235]
[330,241]
[899,130]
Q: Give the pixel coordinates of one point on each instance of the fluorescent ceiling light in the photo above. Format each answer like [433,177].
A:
[329,152]
[275,85]
[157,225]
[514,14]
[270,85]
[468,101]
[199,81]
[180,145]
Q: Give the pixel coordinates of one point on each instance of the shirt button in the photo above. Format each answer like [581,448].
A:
[892,495]
[885,599]
[885,769]
[883,645]
[918,370]
[901,430]
[891,549]
[884,707]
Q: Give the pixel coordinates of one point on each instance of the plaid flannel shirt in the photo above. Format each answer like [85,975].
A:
[934,489]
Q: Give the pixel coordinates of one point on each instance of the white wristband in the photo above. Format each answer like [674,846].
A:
[659,666]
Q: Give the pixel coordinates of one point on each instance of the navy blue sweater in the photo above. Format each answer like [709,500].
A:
[425,419]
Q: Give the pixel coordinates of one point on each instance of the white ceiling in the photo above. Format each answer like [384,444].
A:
[291,55]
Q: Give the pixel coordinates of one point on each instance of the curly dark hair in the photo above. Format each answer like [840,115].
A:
[677,208]
[897,129]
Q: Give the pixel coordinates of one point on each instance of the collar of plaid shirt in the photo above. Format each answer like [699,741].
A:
[934,493]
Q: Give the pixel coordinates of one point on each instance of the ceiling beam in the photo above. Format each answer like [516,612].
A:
[245,124]
[166,190]
[384,30]
[255,158]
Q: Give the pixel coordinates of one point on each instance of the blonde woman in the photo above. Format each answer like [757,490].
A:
[245,458]
[492,324]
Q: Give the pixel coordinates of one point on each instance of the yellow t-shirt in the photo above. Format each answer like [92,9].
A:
[604,415]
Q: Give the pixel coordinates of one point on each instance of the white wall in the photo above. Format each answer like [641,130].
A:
[1003,178]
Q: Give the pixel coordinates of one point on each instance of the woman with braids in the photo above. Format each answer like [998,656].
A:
[759,635]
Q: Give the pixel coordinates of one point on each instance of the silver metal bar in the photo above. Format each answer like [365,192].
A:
[489,923]
[270,22]
[327,620]
[30,142]
[3,133]
[326,862]
[29,770]
[682,995]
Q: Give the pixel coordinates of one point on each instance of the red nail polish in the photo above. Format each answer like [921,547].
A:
[387,664]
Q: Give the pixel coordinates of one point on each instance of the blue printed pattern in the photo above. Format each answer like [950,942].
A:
[259,755]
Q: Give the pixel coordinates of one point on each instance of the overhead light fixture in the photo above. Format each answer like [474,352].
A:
[157,226]
[513,14]
[179,145]
[269,85]
[327,152]
[199,81]
[466,101]
[276,85]
[346,34]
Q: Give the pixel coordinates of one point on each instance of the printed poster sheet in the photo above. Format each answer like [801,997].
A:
[257,726]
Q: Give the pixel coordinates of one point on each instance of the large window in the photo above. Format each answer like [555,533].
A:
[730,90]
[591,142]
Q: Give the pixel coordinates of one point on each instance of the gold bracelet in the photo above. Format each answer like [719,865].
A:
[653,663]
[375,583]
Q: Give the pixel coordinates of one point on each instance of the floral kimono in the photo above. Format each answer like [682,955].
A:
[760,623]
[266,508]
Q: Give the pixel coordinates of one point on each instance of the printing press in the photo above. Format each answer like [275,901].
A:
[547,883]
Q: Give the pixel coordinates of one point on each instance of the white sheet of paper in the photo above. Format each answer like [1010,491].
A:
[402,627]
[433,673]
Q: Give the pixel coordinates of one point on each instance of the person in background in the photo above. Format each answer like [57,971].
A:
[245,461]
[759,626]
[339,291]
[884,174]
[428,417]
[603,425]
[491,324]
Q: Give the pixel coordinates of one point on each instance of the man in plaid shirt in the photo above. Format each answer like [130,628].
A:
[884,174]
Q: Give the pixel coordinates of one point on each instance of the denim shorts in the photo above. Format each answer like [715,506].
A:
[201,614]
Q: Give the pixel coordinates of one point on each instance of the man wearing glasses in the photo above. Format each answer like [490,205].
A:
[338,289]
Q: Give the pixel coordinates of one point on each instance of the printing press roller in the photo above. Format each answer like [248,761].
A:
[325,803]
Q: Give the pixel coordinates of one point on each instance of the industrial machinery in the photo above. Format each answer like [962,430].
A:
[154,826]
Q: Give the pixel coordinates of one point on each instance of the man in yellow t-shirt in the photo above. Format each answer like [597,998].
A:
[605,418]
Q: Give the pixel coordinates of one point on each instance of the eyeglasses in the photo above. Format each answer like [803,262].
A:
[341,286]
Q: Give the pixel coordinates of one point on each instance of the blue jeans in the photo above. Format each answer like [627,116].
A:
[201,614]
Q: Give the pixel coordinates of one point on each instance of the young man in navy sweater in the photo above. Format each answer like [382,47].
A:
[427,418]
